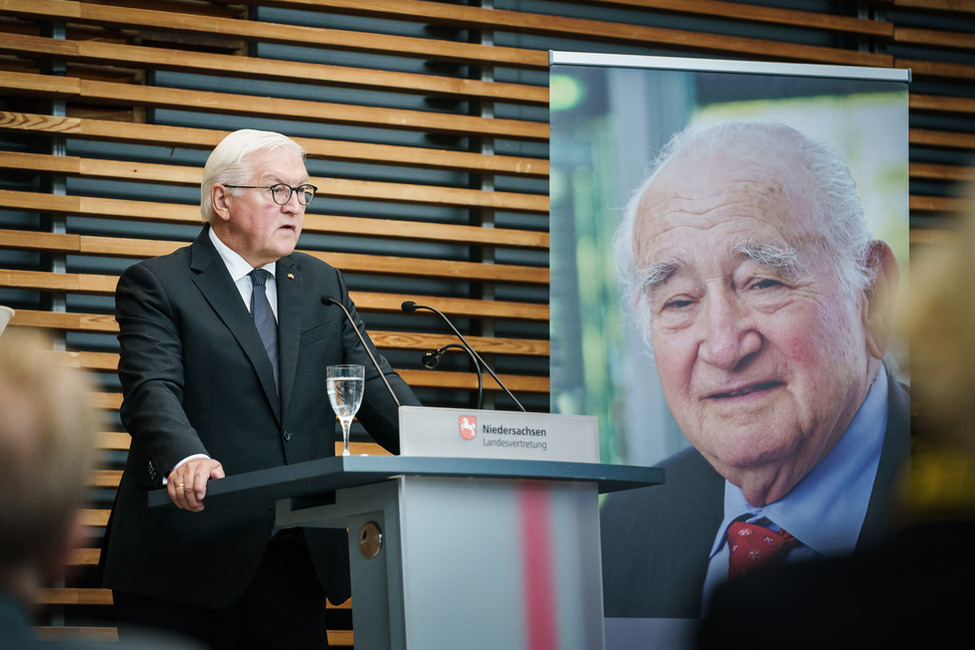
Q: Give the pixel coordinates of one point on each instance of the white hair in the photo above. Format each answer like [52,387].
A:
[821,172]
[229,162]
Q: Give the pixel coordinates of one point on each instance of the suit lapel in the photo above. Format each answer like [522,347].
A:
[290,317]
[894,459]
[214,282]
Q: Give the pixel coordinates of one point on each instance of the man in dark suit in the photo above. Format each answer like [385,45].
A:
[767,305]
[205,396]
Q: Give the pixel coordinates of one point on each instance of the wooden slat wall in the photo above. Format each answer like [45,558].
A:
[426,126]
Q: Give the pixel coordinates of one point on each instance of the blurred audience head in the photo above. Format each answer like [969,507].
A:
[47,449]
[939,320]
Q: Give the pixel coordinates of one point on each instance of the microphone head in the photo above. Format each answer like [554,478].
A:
[408,306]
[431,360]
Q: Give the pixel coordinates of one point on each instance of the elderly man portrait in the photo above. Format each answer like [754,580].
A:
[766,303]
[224,349]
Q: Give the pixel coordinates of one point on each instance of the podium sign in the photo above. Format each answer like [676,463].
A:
[476,433]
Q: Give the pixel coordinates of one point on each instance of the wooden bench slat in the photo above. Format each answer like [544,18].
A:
[933,37]
[84,557]
[337,39]
[565,27]
[940,104]
[105,478]
[67,321]
[191,137]
[365,190]
[269,107]
[441,269]
[273,69]
[108,361]
[105,285]
[75,596]
[938,69]
[754,13]
[88,633]
[939,204]
[110,208]
[416,378]
[938,5]
[944,139]
[314,223]
[92,168]
[100,596]
[336,638]
[47,281]
[383,339]
[469,307]
[366,302]
[362,448]
[467,17]
[389,265]
[951,173]
[115,440]
[93,518]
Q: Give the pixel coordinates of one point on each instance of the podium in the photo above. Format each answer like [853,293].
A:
[453,551]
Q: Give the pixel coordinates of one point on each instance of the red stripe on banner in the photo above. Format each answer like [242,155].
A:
[536,553]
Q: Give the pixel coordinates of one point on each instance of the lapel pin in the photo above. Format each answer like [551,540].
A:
[291,276]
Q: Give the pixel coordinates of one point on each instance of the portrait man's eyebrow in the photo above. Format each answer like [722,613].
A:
[781,257]
[788,411]
[654,275]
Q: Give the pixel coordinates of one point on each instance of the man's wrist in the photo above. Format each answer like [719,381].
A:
[180,464]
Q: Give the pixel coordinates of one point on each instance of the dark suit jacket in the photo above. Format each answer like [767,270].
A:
[649,570]
[196,379]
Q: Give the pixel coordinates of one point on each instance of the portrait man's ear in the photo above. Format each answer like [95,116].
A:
[878,306]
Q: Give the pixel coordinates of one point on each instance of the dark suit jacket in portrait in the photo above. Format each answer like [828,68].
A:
[196,380]
[656,541]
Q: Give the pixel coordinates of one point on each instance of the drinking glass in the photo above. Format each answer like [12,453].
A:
[345,383]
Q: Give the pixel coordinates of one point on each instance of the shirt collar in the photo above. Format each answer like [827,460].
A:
[825,510]
[237,265]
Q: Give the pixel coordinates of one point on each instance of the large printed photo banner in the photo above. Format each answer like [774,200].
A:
[727,242]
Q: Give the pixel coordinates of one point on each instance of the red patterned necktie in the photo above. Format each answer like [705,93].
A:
[751,546]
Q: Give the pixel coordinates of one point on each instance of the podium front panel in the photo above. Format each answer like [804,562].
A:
[500,564]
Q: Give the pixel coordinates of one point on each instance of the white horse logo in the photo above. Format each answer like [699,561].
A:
[468,427]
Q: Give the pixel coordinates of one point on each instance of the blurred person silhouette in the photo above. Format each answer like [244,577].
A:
[47,452]
[917,588]
[47,449]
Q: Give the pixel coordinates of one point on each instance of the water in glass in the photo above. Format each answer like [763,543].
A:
[344,385]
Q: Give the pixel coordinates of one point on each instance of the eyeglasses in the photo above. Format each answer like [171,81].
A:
[281,192]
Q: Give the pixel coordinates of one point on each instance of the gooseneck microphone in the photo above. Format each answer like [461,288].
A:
[329,300]
[432,359]
[409,307]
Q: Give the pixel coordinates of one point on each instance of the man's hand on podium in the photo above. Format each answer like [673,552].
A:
[187,484]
